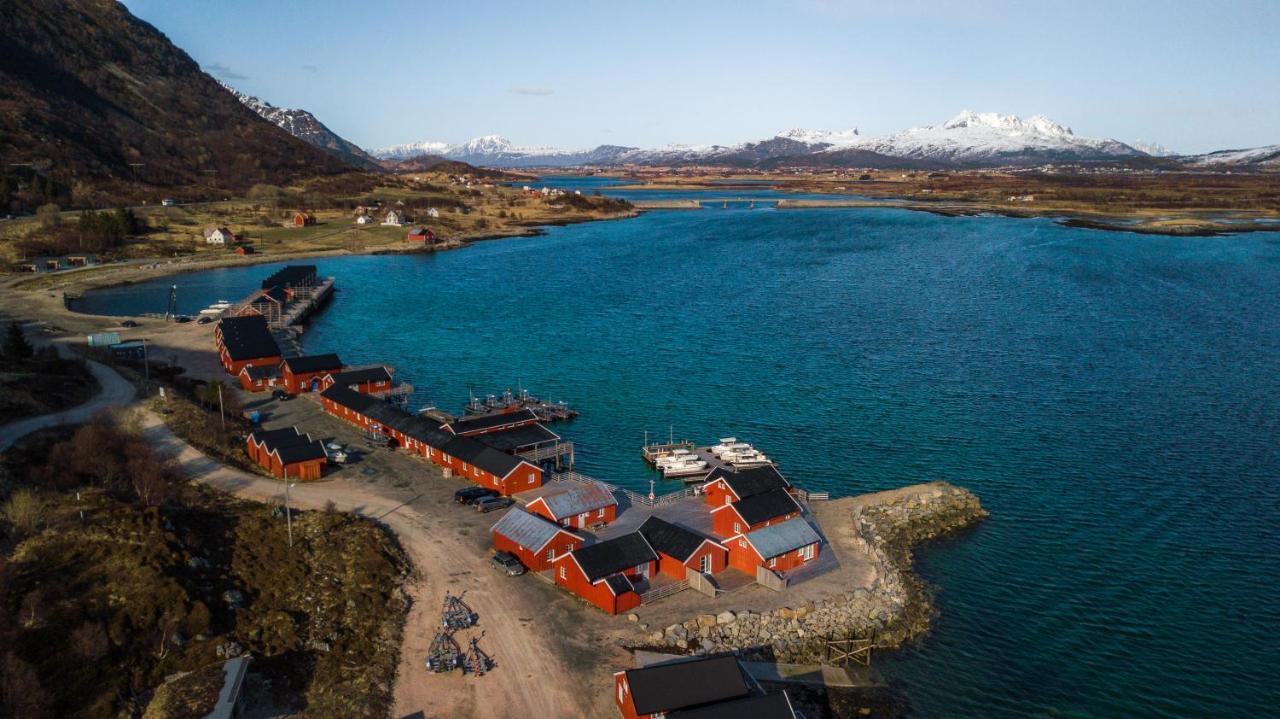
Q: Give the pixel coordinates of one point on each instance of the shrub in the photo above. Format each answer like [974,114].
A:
[25,511]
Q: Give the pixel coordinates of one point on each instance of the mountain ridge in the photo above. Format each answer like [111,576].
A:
[306,127]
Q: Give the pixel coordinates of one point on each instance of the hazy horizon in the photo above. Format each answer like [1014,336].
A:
[1193,77]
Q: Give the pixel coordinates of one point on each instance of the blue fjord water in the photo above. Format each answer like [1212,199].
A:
[1113,398]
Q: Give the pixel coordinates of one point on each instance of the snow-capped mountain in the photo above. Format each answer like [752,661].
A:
[1268,157]
[988,138]
[303,125]
[970,139]
[1154,149]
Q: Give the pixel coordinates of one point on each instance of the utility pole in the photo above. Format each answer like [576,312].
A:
[288,516]
[146,363]
[221,412]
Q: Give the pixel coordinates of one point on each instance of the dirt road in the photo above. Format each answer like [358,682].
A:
[115,392]
[445,560]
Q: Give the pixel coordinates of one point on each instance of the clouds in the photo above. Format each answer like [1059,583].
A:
[531,91]
[220,70]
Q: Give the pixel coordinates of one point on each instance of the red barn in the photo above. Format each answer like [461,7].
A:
[755,512]
[245,341]
[488,467]
[287,453]
[781,547]
[586,505]
[724,485]
[421,234]
[303,219]
[366,381]
[680,550]
[535,541]
[303,374]
[664,689]
[244,250]
[605,574]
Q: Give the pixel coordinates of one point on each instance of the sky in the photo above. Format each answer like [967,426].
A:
[1192,76]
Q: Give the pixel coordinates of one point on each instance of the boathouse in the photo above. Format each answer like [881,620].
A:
[781,547]
[533,540]
[294,279]
[367,381]
[421,234]
[488,467]
[775,705]
[256,378]
[590,504]
[680,550]
[287,453]
[303,374]
[660,690]
[755,512]
[245,341]
[723,485]
[606,574]
[485,423]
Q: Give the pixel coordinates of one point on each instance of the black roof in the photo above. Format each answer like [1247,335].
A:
[765,506]
[686,684]
[669,539]
[313,363]
[768,706]
[289,443]
[291,275]
[614,555]
[349,377]
[619,584]
[272,438]
[383,412]
[748,482]
[301,452]
[259,371]
[463,425]
[247,337]
[467,449]
[516,438]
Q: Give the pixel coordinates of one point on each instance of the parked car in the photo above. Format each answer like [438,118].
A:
[168,202]
[488,504]
[507,562]
[470,495]
[281,395]
[181,319]
[204,320]
[128,323]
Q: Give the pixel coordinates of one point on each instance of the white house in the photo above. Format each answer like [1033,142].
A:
[433,212]
[393,218]
[363,220]
[218,236]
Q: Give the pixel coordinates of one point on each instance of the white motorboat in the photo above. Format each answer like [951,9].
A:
[748,458]
[725,444]
[691,464]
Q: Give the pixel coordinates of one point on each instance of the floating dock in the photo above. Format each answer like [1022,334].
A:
[508,403]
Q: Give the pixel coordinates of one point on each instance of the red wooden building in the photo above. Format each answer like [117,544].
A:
[421,234]
[724,485]
[533,540]
[586,505]
[488,467]
[679,685]
[303,219]
[303,374]
[367,381]
[257,378]
[681,550]
[781,547]
[754,512]
[245,341]
[606,574]
[484,424]
[287,453]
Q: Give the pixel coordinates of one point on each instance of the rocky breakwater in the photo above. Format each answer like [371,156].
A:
[889,604]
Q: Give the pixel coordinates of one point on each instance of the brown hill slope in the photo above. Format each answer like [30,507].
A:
[86,88]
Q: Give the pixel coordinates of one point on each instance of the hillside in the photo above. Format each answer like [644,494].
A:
[306,127]
[88,89]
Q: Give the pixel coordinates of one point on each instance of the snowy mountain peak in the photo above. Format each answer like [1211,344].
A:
[820,137]
[304,126]
[486,143]
[1154,149]
[1009,123]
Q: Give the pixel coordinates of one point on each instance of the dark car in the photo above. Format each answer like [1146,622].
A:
[182,319]
[204,320]
[488,504]
[507,562]
[471,495]
[128,323]
[281,395]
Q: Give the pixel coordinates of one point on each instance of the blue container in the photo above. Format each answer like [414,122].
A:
[255,417]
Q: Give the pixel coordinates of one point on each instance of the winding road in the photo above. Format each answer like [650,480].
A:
[115,392]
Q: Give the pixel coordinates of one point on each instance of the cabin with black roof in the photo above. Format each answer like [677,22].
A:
[482,424]
[661,690]
[303,374]
[724,485]
[369,380]
[257,378]
[606,574]
[755,512]
[681,550]
[775,705]
[287,453]
[244,341]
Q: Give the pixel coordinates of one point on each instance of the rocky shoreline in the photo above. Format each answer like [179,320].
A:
[897,607]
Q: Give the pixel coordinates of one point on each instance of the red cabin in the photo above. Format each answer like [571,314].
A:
[257,378]
[303,374]
[586,505]
[724,485]
[755,512]
[287,453]
[303,219]
[659,690]
[533,540]
[366,381]
[606,574]
[681,550]
[421,234]
[245,341]
[781,547]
